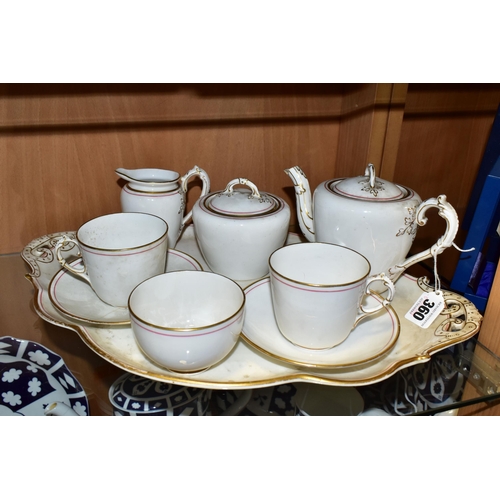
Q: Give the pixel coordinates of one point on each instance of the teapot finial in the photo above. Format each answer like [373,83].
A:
[370,172]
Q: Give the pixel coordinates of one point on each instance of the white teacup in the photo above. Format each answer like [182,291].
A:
[318,291]
[187,321]
[118,251]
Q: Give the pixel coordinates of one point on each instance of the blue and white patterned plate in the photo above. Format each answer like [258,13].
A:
[133,395]
[272,401]
[33,377]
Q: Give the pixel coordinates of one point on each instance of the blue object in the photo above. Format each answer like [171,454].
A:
[476,270]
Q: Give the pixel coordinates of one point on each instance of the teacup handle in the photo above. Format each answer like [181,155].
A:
[448,213]
[194,172]
[363,312]
[63,242]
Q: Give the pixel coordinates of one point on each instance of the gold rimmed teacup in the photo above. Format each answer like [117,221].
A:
[118,252]
[187,321]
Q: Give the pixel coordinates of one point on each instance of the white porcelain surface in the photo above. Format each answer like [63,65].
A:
[375,217]
[317,292]
[118,252]
[245,366]
[237,229]
[161,193]
[187,321]
[34,378]
[76,299]
[370,339]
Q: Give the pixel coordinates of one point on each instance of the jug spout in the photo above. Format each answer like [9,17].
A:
[149,177]
[304,202]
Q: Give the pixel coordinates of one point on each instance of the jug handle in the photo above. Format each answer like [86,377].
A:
[448,213]
[194,172]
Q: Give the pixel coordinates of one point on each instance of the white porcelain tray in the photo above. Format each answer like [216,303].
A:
[246,366]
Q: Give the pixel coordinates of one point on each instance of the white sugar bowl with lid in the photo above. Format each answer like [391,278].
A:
[237,229]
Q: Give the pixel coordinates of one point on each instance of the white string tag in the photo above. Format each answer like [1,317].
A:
[429,305]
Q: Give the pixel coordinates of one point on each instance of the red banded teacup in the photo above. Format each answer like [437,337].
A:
[187,321]
[318,290]
[118,251]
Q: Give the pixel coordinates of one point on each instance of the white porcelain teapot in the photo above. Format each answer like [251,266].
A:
[377,218]
[162,193]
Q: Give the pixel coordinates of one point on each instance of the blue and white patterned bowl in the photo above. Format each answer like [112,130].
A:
[33,377]
[133,395]
[272,401]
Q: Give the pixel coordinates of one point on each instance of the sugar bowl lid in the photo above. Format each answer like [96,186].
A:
[241,202]
[137,394]
[368,187]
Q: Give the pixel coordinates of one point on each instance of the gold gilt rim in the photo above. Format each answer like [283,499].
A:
[395,338]
[105,324]
[328,185]
[173,191]
[139,181]
[86,245]
[276,207]
[196,261]
[88,321]
[185,330]
[315,285]
[263,382]
[329,366]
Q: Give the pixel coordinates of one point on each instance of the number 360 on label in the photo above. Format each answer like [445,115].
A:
[425,310]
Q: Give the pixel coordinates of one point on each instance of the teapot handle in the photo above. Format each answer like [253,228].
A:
[448,213]
[194,172]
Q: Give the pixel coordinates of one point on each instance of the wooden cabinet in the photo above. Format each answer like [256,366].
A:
[60,144]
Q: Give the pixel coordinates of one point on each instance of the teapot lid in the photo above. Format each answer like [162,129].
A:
[240,202]
[139,394]
[368,187]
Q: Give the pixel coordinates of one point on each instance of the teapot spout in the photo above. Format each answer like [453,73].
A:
[304,202]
